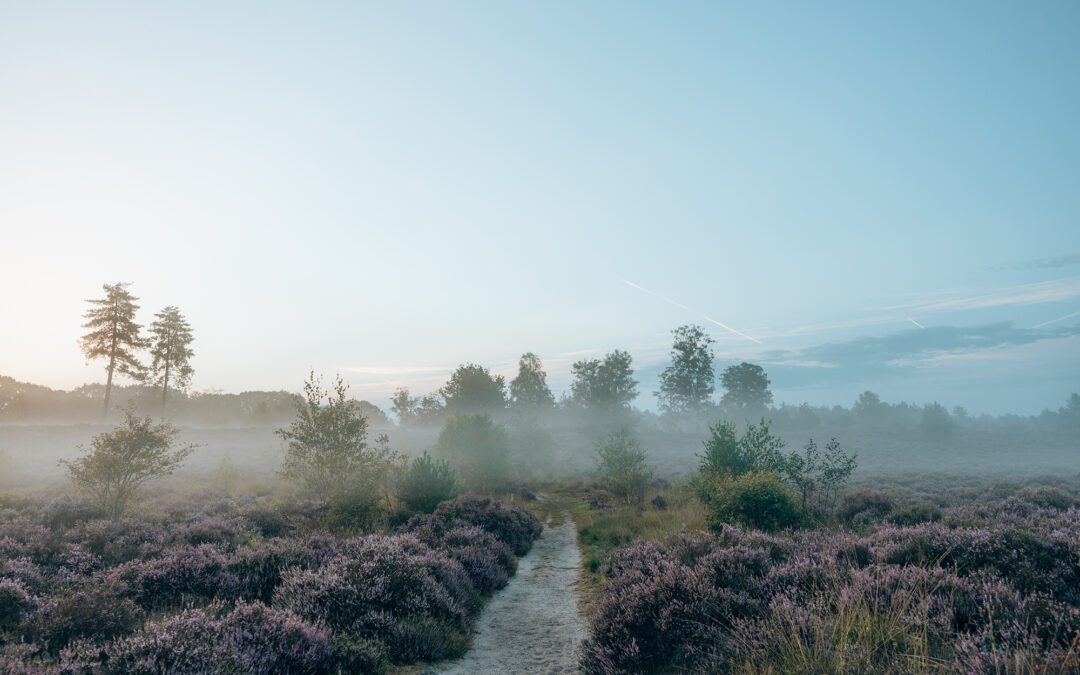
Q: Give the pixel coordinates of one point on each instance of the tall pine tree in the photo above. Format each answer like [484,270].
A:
[114,336]
[170,351]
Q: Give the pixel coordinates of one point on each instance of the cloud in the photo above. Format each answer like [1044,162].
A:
[1043,263]
[1024,294]
[910,348]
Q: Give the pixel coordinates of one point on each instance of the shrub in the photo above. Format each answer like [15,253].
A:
[913,514]
[252,638]
[95,609]
[866,506]
[180,573]
[756,499]
[269,522]
[122,460]
[426,483]
[622,467]
[479,449]
[514,526]
[16,603]
[381,588]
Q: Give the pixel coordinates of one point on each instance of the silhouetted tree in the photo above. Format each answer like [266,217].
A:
[869,407]
[604,385]
[121,460]
[170,351]
[404,406]
[936,422]
[747,389]
[686,385]
[529,392]
[473,389]
[114,336]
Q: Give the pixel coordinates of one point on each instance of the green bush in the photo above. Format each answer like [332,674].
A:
[425,483]
[479,449]
[757,499]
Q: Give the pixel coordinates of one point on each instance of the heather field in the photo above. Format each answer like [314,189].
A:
[235,586]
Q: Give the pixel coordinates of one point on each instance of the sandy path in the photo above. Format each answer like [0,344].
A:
[532,625]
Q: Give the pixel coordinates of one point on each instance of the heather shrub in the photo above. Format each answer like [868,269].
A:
[381,587]
[16,603]
[95,609]
[65,512]
[1048,496]
[270,522]
[118,541]
[514,526]
[258,569]
[1030,560]
[360,655]
[251,638]
[757,499]
[866,506]
[180,574]
[913,514]
[488,562]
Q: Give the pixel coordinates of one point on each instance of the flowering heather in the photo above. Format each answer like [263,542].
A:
[515,527]
[993,584]
[251,638]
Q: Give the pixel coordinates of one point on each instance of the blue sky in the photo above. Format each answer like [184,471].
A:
[390,189]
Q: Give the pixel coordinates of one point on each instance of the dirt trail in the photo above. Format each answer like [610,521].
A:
[532,625]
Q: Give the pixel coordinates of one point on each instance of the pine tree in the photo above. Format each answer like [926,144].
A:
[170,349]
[114,336]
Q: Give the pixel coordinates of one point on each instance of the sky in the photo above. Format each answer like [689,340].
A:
[855,195]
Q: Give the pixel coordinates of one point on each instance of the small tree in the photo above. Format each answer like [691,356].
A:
[819,476]
[686,385]
[728,455]
[604,385]
[121,460]
[623,468]
[404,406]
[327,449]
[479,449]
[426,483]
[529,391]
[114,336]
[472,389]
[747,389]
[170,351]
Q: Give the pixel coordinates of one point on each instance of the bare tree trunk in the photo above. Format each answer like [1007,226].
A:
[108,392]
[164,389]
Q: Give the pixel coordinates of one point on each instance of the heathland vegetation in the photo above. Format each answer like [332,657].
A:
[719,534]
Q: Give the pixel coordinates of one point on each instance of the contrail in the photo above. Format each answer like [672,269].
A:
[655,295]
[1060,318]
[682,306]
[729,328]
[916,323]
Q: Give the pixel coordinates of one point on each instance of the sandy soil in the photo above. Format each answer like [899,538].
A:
[532,625]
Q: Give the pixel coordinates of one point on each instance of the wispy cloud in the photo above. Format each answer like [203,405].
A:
[916,323]
[1053,262]
[1025,294]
